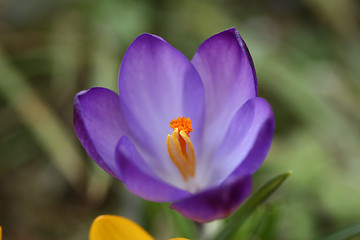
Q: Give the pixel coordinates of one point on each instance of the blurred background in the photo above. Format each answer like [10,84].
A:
[306,54]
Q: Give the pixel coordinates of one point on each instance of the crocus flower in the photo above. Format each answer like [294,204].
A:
[191,133]
[111,227]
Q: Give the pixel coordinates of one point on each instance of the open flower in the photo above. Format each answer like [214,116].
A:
[111,227]
[187,132]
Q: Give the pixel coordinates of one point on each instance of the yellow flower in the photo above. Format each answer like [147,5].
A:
[111,227]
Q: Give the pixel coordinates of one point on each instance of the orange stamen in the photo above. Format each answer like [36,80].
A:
[180,148]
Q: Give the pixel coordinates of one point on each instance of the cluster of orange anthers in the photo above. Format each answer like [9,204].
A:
[182,124]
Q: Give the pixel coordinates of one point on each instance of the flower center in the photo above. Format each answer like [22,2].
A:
[180,148]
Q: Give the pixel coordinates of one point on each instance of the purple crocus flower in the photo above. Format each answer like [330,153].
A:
[219,134]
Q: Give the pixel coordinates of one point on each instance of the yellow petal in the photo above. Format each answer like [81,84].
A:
[0,233]
[179,239]
[111,227]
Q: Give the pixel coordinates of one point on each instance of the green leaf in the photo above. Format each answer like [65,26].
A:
[250,205]
[344,233]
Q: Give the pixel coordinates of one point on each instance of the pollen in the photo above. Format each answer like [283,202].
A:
[182,124]
[180,148]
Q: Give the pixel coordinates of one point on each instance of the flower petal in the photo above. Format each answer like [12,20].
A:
[227,71]
[258,151]
[247,141]
[111,227]
[157,83]
[218,202]
[139,178]
[99,124]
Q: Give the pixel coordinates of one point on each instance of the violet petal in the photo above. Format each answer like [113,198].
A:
[227,70]
[99,124]
[218,202]
[247,141]
[157,84]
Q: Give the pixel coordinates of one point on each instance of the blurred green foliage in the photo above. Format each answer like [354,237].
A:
[306,54]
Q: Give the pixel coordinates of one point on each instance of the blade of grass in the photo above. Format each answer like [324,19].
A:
[46,127]
[266,228]
[181,226]
[344,233]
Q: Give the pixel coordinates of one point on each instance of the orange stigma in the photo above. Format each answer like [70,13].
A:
[182,124]
[180,148]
